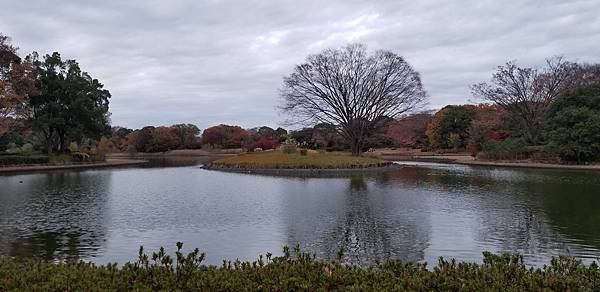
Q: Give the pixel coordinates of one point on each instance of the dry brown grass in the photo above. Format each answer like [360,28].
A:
[313,160]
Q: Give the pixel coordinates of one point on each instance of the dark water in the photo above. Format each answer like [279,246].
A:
[418,213]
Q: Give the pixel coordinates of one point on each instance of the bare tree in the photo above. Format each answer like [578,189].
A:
[353,90]
[526,93]
[590,74]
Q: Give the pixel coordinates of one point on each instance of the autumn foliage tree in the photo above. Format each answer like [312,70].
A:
[17,82]
[163,139]
[186,135]
[158,139]
[326,136]
[103,146]
[351,89]
[225,136]
[489,123]
[119,137]
[263,137]
[409,131]
[139,140]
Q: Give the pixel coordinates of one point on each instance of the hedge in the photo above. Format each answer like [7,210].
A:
[509,149]
[296,271]
[23,159]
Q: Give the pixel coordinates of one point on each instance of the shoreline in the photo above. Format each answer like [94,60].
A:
[110,162]
[174,153]
[467,160]
[306,171]
[533,165]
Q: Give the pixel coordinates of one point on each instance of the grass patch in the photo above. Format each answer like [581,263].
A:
[298,160]
[295,271]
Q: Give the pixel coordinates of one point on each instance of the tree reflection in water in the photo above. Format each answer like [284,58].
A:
[418,212]
[532,212]
[360,218]
[55,215]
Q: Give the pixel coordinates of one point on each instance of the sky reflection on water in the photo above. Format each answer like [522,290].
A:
[419,212]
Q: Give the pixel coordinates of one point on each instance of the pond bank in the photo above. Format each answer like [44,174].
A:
[110,162]
[529,165]
[306,171]
[469,160]
[178,153]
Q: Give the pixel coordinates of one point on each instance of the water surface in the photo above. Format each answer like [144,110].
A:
[419,212]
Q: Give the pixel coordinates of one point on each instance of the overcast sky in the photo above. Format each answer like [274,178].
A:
[212,62]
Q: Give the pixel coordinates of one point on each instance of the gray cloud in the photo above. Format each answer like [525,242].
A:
[210,62]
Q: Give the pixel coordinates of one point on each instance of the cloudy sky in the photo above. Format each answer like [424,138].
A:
[210,62]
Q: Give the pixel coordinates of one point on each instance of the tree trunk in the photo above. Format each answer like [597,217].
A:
[530,136]
[48,140]
[355,146]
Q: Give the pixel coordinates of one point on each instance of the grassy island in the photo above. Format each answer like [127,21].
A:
[302,159]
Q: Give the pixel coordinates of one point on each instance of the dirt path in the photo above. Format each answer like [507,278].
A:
[469,160]
[526,164]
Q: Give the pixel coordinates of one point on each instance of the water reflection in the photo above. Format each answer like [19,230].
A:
[356,215]
[55,215]
[417,213]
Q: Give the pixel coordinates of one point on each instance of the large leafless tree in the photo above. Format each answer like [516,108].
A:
[526,93]
[351,89]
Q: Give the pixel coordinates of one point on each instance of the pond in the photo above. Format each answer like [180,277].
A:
[419,212]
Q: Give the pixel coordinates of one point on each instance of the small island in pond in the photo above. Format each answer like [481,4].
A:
[303,159]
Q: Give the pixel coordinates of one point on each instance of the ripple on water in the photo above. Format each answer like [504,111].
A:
[419,212]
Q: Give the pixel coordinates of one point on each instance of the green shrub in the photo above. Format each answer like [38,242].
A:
[296,271]
[303,152]
[80,156]
[96,157]
[73,147]
[335,148]
[509,149]
[289,148]
[10,138]
[542,153]
[23,159]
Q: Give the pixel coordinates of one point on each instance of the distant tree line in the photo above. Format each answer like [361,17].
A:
[339,99]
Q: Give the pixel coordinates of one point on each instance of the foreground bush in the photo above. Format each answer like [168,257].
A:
[296,271]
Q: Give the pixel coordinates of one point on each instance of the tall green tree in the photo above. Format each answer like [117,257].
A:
[573,128]
[449,127]
[281,134]
[70,106]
